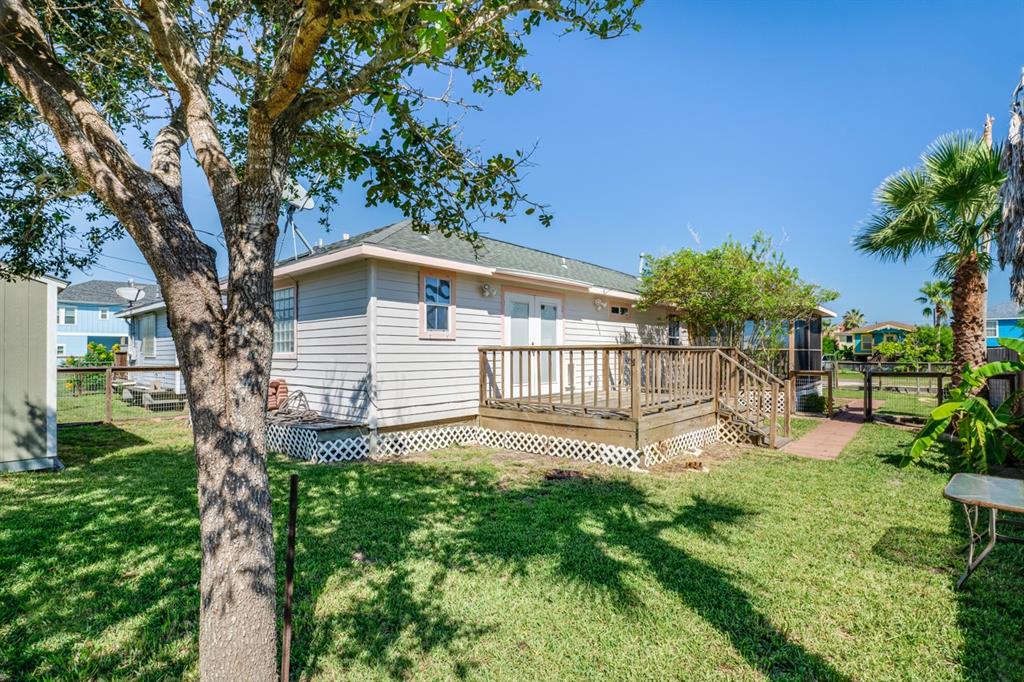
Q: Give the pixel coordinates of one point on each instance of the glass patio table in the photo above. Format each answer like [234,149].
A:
[979,491]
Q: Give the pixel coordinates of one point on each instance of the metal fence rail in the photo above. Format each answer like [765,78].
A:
[909,396]
[94,395]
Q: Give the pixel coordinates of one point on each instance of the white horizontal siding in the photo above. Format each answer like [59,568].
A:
[427,379]
[331,364]
[420,379]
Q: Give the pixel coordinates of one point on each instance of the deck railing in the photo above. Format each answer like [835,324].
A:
[753,395]
[631,381]
[624,381]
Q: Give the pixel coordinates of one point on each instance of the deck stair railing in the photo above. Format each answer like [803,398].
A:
[633,381]
[754,399]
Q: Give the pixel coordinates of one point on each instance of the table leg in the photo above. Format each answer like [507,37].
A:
[972,529]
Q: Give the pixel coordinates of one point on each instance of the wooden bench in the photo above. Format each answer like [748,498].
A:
[977,491]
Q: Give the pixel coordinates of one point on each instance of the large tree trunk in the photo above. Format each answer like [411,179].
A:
[225,362]
[970,290]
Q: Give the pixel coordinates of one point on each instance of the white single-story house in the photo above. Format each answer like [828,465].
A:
[382,328]
[28,374]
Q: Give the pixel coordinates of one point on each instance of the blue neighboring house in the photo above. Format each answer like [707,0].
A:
[86,313]
[1003,320]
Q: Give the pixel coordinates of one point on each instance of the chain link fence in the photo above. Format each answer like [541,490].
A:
[93,395]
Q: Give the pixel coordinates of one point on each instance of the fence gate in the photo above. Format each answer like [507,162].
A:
[903,396]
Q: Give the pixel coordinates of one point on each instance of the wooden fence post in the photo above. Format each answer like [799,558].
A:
[789,407]
[867,396]
[773,425]
[108,402]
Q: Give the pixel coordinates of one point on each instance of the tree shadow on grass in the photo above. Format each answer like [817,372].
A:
[80,445]
[599,531]
[101,564]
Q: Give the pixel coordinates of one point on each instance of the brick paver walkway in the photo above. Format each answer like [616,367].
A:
[828,439]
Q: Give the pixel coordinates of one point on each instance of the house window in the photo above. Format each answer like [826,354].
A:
[61,350]
[437,305]
[620,311]
[147,327]
[992,328]
[675,333]
[104,314]
[67,315]
[284,320]
[849,338]
[867,342]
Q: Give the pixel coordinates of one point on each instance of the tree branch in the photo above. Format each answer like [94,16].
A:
[182,64]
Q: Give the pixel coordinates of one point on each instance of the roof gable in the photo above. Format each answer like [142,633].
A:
[882,326]
[100,292]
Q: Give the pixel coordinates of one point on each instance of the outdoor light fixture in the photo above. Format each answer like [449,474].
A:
[600,303]
[486,290]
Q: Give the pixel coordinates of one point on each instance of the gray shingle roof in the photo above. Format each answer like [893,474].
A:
[1008,310]
[102,292]
[492,253]
[881,325]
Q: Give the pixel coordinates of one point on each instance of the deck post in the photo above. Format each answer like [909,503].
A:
[108,400]
[716,380]
[634,384]
[773,425]
[483,376]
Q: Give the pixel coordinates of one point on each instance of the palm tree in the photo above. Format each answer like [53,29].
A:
[852,319]
[935,299]
[948,207]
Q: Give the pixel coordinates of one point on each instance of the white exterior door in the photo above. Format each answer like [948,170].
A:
[533,321]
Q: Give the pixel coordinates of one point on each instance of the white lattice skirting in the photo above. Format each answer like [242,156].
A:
[304,444]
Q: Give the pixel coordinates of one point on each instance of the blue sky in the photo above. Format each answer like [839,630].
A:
[727,118]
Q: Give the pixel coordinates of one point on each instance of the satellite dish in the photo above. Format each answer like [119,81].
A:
[296,195]
[131,293]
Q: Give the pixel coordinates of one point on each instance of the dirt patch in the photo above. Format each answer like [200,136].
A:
[563,475]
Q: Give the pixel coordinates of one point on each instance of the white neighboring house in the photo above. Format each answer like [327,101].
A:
[382,329]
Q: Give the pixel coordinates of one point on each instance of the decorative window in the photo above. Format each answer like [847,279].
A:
[437,305]
[104,314]
[991,328]
[284,320]
[675,332]
[61,350]
[619,310]
[67,315]
[147,329]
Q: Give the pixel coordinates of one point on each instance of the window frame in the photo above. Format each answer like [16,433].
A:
[104,314]
[431,334]
[62,350]
[994,335]
[677,338]
[612,315]
[62,314]
[295,318]
[142,336]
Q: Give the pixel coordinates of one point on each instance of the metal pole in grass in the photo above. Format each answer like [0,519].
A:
[289,577]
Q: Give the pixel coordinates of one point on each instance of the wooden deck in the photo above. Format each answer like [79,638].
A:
[626,395]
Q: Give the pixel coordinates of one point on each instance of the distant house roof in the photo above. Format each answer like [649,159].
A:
[102,292]
[1008,310]
[493,253]
[889,324]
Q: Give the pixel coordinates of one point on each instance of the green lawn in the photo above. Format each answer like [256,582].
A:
[466,564]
